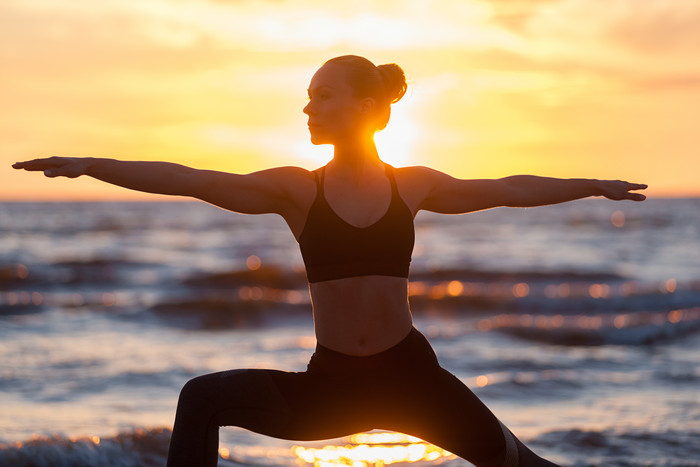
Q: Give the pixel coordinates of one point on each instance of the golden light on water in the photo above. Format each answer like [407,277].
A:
[599,290]
[521,290]
[584,322]
[455,288]
[617,219]
[670,285]
[675,316]
[253,263]
[372,449]
[482,380]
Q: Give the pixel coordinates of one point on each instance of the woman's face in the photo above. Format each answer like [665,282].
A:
[335,114]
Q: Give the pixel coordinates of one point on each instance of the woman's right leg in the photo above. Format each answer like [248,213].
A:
[286,405]
[245,398]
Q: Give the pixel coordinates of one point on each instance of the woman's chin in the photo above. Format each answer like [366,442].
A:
[318,140]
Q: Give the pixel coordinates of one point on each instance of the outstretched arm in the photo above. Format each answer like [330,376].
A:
[449,195]
[256,193]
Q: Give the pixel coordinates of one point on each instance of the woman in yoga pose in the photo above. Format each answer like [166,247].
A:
[353,219]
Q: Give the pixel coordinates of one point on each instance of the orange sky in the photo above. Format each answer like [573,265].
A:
[565,88]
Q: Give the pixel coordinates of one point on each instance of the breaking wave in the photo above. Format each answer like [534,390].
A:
[138,448]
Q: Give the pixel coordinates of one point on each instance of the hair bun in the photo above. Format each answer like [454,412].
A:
[394,81]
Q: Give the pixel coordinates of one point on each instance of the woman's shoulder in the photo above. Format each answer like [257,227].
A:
[419,174]
[286,175]
[415,183]
[287,171]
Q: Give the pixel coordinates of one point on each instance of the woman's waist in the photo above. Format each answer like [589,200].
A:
[411,351]
[361,315]
[361,331]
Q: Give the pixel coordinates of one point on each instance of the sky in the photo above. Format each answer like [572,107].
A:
[560,88]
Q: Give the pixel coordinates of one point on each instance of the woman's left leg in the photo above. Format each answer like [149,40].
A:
[413,394]
[444,411]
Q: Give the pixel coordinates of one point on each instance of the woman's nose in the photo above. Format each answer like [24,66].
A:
[307,109]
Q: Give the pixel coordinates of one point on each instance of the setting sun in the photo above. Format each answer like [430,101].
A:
[396,143]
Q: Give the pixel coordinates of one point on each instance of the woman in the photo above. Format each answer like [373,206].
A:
[353,220]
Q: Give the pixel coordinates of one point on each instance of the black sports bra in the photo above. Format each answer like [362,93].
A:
[334,249]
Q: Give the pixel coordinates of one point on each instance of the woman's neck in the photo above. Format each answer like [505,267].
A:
[356,158]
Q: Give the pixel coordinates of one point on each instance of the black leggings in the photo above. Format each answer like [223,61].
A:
[401,389]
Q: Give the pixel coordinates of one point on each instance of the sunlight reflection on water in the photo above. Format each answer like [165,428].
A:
[376,449]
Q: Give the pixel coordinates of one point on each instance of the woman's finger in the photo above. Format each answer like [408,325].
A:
[637,186]
[636,196]
[27,165]
[41,164]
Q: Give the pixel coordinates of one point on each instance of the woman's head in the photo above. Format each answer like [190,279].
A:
[386,84]
[352,91]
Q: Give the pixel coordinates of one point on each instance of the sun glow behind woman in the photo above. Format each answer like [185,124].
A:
[398,140]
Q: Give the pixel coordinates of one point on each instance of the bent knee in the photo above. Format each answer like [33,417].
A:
[208,387]
[193,390]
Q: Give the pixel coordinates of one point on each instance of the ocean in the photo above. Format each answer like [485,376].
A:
[577,324]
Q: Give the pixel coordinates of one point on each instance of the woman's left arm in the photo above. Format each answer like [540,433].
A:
[449,195]
[530,190]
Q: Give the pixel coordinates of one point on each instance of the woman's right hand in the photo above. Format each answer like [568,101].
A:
[618,190]
[70,167]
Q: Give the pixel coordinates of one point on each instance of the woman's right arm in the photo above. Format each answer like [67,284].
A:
[267,191]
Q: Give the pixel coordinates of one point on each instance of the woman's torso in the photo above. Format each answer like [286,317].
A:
[356,240]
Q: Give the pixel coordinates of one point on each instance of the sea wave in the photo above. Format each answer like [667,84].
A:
[228,311]
[263,276]
[591,448]
[261,294]
[643,328]
[137,448]
[573,447]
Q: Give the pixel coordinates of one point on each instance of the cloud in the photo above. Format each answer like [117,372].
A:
[516,14]
[637,35]
[659,28]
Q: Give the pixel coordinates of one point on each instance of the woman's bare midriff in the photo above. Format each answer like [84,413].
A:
[361,315]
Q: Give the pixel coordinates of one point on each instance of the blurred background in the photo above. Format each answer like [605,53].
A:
[577,324]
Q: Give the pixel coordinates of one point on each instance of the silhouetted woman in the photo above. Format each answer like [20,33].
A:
[353,219]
